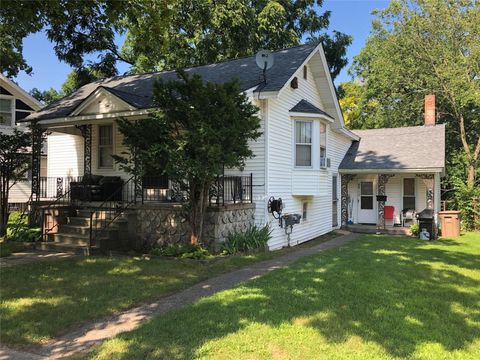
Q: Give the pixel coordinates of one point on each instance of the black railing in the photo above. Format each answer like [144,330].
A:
[103,215]
[55,187]
[48,227]
[230,189]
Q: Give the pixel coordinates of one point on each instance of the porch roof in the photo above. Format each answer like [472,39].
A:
[138,89]
[416,148]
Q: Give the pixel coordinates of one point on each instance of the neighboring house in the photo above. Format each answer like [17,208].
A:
[297,158]
[16,104]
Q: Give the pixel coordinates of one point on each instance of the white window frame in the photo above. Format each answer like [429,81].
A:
[99,166]
[306,144]
[12,110]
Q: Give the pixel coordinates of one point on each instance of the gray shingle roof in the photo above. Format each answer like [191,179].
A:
[304,106]
[415,147]
[137,89]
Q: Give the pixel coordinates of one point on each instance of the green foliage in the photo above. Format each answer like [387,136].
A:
[183,251]
[18,229]
[163,34]
[199,129]
[252,239]
[467,199]
[415,229]
[197,32]
[418,48]
[14,165]
[76,28]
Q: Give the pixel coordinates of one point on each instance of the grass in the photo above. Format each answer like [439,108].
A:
[42,300]
[377,298]
[7,248]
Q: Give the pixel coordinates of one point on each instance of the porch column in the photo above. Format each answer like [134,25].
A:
[37,143]
[429,181]
[382,182]
[345,178]
[87,148]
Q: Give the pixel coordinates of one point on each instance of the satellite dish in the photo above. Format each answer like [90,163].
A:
[264,59]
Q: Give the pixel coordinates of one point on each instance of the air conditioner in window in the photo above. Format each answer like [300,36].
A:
[324,163]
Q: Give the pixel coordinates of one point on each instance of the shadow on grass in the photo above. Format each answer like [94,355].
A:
[396,292]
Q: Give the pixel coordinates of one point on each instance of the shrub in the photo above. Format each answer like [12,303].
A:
[415,229]
[467,200]
[253,238]
[18,229]
[184,251]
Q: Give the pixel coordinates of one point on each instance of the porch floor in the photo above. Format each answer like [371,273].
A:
[372,229]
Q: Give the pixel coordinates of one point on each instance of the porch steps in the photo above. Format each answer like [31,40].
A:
[74,233]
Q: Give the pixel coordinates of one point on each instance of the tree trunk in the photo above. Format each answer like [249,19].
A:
[471,175]
[198,205]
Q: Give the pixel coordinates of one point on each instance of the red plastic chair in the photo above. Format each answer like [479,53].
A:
[389,212]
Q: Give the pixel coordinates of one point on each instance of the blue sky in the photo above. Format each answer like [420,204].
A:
[349,16]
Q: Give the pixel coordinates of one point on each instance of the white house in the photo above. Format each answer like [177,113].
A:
[16,104]
[298,158]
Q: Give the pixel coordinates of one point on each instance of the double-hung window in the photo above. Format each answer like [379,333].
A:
[409,193]
[303,143]
[6,112]
[105,146]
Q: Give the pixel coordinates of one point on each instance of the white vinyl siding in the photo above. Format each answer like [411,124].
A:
[65,155]
[299,185]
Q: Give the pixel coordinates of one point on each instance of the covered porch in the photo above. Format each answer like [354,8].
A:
[387,201]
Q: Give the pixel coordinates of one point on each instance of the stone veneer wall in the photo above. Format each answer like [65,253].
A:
[161,224]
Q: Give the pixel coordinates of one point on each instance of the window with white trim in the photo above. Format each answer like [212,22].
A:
[323,144]
[6,112]
[105,146]
[303,143]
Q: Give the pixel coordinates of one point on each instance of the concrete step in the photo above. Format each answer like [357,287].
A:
[73,239]
[74,229]
[64,247]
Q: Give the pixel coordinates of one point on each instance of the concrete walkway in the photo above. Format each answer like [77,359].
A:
[26,257]
[96,332]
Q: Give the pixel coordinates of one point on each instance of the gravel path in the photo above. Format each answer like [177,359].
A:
[98,331]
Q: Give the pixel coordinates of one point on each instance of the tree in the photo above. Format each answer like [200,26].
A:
[162,34]
[206,31]
[46,96]
[421,47]
[199,129]
[14,165]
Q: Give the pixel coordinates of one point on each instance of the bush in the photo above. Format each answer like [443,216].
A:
[467,200]
[253,238]
[183,251]
[415,229]
[18,229]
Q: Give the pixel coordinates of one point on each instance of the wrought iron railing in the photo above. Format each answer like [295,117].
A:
[54,187]
[103,215]
[229,189]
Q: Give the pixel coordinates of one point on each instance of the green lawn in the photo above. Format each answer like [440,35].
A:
[41,300]
[377,298]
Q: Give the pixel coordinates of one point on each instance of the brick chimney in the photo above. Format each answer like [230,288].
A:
[429,110]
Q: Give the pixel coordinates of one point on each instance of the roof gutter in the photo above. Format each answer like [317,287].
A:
[75,120]
[383,171]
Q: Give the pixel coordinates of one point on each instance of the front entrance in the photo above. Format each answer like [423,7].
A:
[366,202]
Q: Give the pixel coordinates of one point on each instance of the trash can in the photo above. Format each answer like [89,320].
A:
[449,223]
[426,221]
